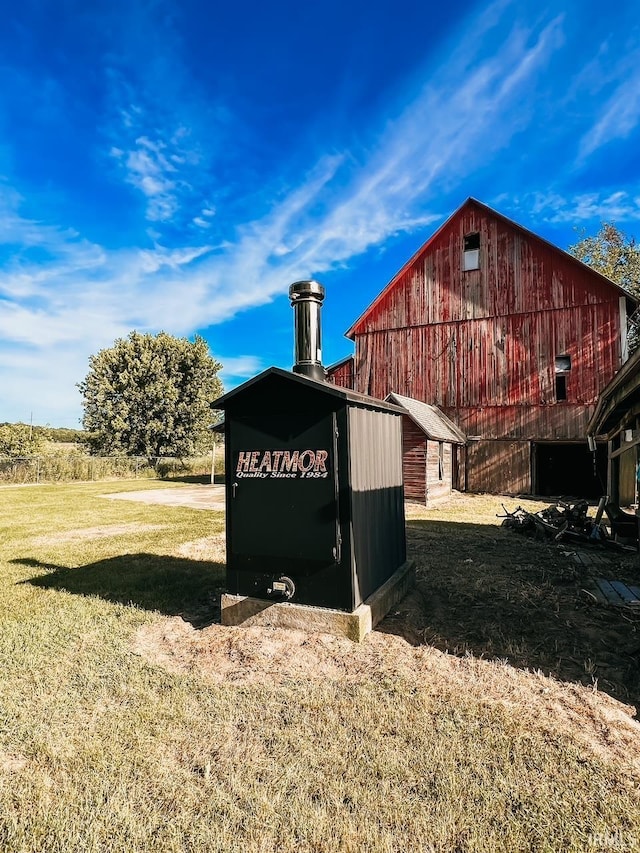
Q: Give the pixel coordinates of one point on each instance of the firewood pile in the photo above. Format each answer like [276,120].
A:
[569,522]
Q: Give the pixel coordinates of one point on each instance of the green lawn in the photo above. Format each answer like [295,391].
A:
[101,749]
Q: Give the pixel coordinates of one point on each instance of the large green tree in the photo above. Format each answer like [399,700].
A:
[616,255]
[612,253]
[151,395]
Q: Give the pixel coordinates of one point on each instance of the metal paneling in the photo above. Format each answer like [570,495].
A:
[377,500]
[284,469]
[314,492]
[373,438]
[283,517]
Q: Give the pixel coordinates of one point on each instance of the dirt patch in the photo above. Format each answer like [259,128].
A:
[195,497]
[263,656]
[100,532]
[494,593]
[494,616]
[12,763]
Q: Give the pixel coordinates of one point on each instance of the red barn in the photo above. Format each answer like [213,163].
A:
[511,338]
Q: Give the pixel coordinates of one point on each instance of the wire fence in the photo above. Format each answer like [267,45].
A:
[81,467]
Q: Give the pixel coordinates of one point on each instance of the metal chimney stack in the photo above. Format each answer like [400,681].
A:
[306,298]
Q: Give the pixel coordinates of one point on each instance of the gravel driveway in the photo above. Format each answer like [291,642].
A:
[196,497]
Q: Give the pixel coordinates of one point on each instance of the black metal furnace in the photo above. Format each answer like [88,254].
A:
[314,494]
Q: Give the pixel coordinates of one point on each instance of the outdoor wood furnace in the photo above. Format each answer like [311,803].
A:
[314,495]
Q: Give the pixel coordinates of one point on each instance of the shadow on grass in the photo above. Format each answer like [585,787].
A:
[195,479]
[494,593]
[172,585]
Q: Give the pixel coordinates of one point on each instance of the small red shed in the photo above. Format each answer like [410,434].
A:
[430,450]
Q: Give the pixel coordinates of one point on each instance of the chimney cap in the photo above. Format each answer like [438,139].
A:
[306,290]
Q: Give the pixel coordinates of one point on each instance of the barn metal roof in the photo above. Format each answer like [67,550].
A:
[434,423]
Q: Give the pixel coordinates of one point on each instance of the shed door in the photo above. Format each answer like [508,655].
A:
[284,493]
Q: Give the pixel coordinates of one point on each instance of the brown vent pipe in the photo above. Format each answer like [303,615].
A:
[306,298]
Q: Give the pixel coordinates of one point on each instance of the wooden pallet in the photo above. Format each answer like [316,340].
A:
[616,593]
[593,559]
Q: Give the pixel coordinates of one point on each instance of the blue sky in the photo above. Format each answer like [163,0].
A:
[175,166]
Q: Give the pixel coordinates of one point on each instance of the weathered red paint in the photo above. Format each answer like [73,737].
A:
[341,373]
[424,480]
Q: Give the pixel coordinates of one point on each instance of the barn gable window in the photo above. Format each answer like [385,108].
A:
[563,369]
[471,255]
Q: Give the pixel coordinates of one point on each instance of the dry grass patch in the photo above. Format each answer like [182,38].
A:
[491,592]
[208,548]
[130,723]
[12,763]
[269,657]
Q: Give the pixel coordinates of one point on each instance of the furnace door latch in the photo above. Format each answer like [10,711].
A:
[284,588]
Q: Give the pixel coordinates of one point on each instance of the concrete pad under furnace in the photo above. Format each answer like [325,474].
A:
[244,610]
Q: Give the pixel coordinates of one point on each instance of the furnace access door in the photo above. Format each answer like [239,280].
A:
[284,495]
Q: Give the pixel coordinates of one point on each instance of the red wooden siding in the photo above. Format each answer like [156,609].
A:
[496,361]
[421,465]
[342,373]
[518,274]
[414,452]
[499,467]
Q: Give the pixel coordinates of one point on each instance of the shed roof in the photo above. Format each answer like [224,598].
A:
[632,302]
[617,399]
[434,423]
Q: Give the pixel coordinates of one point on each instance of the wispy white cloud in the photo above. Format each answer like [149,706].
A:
[554,207]
[205,217]
[345,207]
[239,366]
[619,115]
[158,168]
[32,386]
[160,256]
